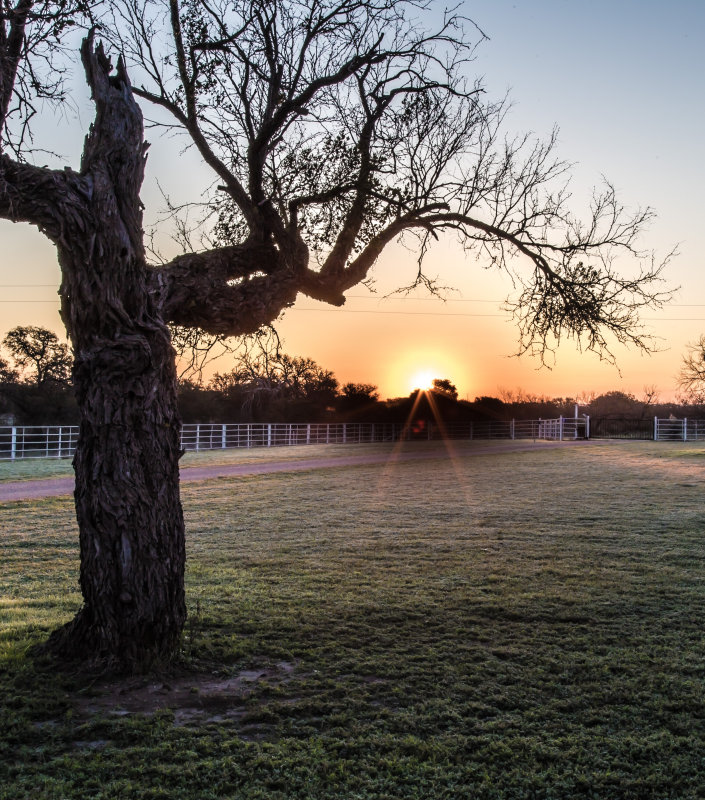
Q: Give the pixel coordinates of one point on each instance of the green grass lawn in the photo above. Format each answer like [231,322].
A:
[520,625]
[38,468]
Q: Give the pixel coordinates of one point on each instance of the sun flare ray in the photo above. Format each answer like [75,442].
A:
[415,427]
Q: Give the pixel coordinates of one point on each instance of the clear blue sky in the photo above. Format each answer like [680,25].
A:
[623,81]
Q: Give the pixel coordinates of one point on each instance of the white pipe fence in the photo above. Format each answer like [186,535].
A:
[684,430]
[217,436]
[59,441]
[564,428]
[45,441]
[53,441]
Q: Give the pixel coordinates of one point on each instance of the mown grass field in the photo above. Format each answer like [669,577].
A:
[517,625]
[33,469]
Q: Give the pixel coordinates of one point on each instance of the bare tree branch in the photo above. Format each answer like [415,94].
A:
[32,62]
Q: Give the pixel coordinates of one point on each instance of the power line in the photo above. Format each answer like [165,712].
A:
[459,314]
[385,312]
[399,313]
[350,297]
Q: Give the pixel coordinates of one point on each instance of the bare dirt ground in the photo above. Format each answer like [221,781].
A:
[194,699]
[58,487]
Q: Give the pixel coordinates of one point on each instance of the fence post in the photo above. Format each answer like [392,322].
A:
[345,433]
[560,428]
[269,434]
[587,426]
[13,443]
[685,429]
[511,429]
[656,429]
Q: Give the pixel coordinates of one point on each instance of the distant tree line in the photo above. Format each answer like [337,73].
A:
[267,385]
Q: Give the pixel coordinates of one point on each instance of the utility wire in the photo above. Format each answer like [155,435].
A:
[350,297]
[379,298]
[423,313]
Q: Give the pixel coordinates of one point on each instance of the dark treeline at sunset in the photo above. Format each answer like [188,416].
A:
[282,388]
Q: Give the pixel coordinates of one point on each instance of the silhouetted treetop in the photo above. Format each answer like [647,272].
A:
[446,387]
[39,354]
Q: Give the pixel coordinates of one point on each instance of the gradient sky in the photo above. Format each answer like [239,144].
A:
[623,81]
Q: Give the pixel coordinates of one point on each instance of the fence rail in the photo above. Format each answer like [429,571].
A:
[217,436]
[59,441]
[48,441]
[52,441]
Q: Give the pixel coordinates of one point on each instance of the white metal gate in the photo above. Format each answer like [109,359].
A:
[684,430]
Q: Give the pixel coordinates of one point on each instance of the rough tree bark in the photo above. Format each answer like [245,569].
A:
[127,479]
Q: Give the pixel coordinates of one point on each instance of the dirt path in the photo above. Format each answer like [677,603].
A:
[58,487]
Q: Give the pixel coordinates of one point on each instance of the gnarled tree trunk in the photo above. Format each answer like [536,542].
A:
[127,496]
[126,463]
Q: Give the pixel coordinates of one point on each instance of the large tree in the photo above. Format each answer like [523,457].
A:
[332,129]
[39,354]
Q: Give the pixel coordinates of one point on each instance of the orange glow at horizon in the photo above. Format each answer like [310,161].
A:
[416,367]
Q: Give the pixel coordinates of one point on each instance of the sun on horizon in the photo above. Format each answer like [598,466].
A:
[422,379]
